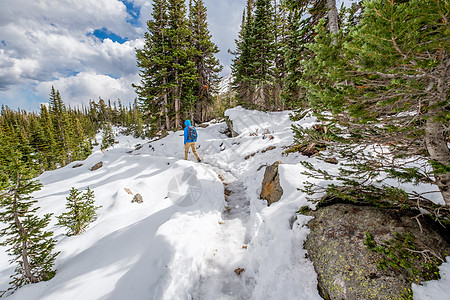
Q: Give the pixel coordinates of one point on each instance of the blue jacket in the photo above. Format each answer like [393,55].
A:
[186,133]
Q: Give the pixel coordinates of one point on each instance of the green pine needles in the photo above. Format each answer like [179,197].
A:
[108,137]
[81,211]
[402,254]
[383,83]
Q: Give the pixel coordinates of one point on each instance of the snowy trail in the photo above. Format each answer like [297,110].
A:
[219,280]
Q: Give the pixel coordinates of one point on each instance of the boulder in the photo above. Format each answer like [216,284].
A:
[77,165]
[137,198]
[271,187]
[347,269]
[331,160]
[97,166]
[231,132]
[238,271]
[268,149]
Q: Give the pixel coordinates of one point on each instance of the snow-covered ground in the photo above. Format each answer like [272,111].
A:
[185,241]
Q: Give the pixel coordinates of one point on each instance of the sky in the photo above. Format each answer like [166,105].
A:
[86,49]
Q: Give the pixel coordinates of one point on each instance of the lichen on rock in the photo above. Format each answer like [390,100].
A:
[346,268]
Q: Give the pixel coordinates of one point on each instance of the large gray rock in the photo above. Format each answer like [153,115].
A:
[231,132]
[97,166]
[271,188]
[345,267]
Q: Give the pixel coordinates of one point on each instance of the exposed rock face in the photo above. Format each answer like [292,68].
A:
[137,198]
[271,188]
[230,132]
[97,166]
[346,269]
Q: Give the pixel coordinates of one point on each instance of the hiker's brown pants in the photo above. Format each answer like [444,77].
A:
[186,150]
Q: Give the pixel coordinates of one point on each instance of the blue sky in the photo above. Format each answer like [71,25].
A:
[86,49]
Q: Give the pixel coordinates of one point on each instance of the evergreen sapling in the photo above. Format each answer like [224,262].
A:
[81,211]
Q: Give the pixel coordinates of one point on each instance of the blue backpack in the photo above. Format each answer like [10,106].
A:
[192,134]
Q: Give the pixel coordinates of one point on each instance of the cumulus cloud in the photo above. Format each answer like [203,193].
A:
[53,42]
[78,89]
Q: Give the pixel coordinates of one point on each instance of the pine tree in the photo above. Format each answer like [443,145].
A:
[263,51]
[47,127]
[207,66]
[108,137]
[303,16]
[167,69]
[30,246]
[387,83]
[182,71]
[280,38]
[58,112]
[243,66]
[81,211]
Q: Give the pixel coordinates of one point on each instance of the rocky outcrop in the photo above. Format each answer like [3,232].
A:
[271,187]
[97,166]
[230,131]
[137,199]
[347,269]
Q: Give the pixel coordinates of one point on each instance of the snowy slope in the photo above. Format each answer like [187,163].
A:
[185,241]
[225,84]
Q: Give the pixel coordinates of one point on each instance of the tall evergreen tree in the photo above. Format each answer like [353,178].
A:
[387,83]
[182,71]
[243,66]
[303,16]
[263,51]
[153,61]
[47,127]
[207,66]
[30,246]
[280,21]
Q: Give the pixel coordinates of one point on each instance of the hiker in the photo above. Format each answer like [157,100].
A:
[190,137]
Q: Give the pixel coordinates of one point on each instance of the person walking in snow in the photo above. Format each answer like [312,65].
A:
[190,137]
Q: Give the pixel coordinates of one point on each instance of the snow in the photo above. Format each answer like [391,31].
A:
[435,289]
[225,84]
[185,241]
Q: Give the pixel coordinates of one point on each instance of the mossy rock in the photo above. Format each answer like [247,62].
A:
[347,269]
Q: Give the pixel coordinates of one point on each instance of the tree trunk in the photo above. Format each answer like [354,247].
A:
[434,131]
[276,95]
[166,103]
[333,24]
[26,264]
[177,102]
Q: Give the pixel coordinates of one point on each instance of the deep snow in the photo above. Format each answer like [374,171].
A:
[185,241]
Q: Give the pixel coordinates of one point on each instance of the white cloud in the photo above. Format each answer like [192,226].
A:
[79,89]
[50,42]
